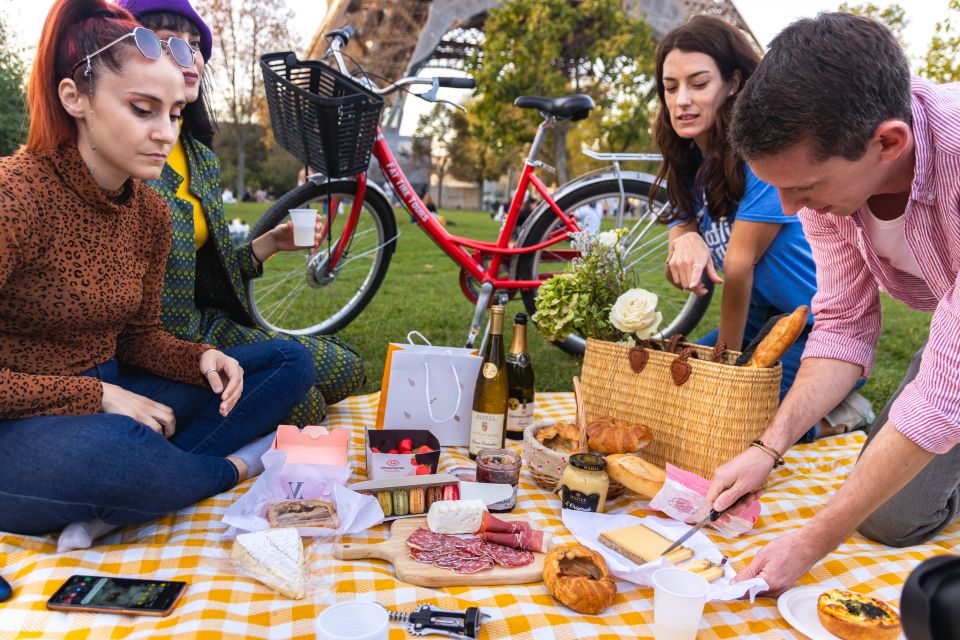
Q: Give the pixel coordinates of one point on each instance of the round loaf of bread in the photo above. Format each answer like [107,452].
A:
[853,616]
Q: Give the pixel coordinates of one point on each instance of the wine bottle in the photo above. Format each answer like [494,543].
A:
[519,381]
[490,398]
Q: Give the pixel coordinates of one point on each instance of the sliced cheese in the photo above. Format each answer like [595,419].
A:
[708,570]
[640,544]
[456,516]
[275,558]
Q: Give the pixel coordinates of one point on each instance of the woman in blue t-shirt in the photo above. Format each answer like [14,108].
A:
[723,217]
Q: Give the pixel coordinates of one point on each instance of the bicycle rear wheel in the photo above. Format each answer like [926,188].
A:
[299,293]
[644,252]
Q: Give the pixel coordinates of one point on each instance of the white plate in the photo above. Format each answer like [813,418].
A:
[799,607]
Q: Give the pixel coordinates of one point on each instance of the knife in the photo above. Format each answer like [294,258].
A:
[711,517]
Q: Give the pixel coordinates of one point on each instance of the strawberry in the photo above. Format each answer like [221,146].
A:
[374,450]
[424,449]
[406,443]
[423,470]
[393,451]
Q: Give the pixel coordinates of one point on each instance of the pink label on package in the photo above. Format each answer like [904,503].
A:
[683,498]
[313,445]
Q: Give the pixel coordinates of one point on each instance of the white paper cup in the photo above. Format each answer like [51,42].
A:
[678,599]
[304,221]
[355,620]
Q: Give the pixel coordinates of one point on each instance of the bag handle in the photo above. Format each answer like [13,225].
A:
[456,405]
[417,333]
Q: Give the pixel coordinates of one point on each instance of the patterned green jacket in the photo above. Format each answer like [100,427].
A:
[203,297]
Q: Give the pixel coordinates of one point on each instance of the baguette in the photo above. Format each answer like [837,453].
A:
[780,338]
[642,477]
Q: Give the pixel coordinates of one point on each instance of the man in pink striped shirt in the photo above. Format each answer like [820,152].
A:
[870,160]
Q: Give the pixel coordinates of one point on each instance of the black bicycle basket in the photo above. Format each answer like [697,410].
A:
[325,119]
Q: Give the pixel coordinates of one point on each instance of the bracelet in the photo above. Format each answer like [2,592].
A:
[778,460]
[257,262]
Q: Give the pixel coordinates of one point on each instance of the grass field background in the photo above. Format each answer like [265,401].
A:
[421,291]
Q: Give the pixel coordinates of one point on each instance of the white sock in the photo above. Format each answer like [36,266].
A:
[80,535]
[251,452]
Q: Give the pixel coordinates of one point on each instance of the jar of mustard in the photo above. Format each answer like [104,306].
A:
[584,483]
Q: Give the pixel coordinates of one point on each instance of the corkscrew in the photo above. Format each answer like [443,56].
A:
[429,621]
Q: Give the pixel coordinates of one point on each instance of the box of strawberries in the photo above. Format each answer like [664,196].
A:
[394,453]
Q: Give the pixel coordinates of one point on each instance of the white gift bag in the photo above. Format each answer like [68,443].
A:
[429,387]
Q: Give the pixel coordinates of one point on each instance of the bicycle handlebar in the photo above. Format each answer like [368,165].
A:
[344,34]
[457,83]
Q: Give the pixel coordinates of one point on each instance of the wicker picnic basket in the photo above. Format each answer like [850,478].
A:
[702,412]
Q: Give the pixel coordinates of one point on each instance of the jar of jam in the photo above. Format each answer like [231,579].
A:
[500,466]
[585,483]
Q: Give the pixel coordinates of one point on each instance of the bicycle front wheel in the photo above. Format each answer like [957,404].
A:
[644,251]
[305,293]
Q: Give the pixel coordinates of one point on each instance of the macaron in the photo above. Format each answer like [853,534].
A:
[450,492]
[417,501]
[383,497]
[401,506]
[434,494]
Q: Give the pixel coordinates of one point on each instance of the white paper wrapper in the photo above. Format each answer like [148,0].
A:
[280,481]
[587,527]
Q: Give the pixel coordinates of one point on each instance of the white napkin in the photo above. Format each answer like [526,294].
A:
[587,527]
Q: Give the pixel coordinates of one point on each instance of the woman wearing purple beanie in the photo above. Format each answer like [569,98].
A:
[203,296]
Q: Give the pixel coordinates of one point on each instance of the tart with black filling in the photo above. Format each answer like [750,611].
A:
[853,616]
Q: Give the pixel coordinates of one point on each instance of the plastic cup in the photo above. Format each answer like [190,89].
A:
[304,221]
[353,621]
[678,599]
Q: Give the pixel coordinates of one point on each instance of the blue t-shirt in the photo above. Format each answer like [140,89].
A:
[785,277]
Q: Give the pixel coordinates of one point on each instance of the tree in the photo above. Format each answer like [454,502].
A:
[13,113]
[243,30]
[553,47]
[893,16]
[471,159]
[436,127]
[942,64]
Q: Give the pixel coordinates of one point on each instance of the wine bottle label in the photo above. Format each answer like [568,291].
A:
[489,370]
[579,501]
[519,415]
[486,431]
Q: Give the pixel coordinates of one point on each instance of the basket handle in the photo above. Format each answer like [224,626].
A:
[680,369]
[581,415]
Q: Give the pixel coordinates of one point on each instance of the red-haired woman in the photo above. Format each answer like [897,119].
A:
[106,419]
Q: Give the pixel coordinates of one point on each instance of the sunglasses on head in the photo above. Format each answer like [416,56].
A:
[150,45]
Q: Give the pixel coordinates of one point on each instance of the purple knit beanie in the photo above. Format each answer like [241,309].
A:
[179,7]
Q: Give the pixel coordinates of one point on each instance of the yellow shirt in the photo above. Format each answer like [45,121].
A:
[178,162]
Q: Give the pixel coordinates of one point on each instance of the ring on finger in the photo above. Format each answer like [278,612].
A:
[210,370]
[697,265]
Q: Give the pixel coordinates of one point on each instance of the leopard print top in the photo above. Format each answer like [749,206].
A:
[81,272]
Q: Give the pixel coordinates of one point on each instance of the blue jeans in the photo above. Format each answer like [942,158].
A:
[55,470]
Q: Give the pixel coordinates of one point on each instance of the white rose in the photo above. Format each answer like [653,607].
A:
[635,311]
[608,239]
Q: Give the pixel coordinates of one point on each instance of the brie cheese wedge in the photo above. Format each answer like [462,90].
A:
[456,516]
[275,558]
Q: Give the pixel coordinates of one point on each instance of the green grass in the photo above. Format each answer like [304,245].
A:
[421,291]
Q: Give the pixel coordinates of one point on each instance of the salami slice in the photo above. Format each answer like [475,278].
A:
[507,557]
[463,555]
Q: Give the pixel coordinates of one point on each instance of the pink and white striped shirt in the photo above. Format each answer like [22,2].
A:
[850,276]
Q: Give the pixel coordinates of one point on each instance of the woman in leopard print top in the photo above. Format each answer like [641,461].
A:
[103,414]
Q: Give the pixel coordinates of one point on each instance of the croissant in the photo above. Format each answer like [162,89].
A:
[609,435]
[561,437]
[781,337]
[578,577]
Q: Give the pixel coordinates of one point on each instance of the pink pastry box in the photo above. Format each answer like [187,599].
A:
[313,445]
[380,463]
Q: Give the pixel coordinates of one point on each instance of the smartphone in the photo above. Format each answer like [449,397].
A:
[117,595]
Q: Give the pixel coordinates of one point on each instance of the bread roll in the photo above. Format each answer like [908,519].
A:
[781,337]
[578,577]
[642,477]
[609,435]
[853,616]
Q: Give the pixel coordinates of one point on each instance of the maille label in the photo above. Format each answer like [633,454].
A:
[489,370]
[579,501]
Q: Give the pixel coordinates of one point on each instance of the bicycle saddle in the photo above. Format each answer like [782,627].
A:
[576,106]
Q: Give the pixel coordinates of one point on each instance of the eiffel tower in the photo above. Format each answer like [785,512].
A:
[400,37]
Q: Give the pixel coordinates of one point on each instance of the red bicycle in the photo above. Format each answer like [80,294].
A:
[325,292]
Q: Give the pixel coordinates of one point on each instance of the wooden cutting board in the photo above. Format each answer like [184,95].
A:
[410,571]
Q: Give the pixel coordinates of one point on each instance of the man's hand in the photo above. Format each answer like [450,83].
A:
[742,475]
[147,412]
[689,256]
[782,561]
[218,367]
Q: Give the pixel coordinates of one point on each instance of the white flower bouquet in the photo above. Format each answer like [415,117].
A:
[594,298]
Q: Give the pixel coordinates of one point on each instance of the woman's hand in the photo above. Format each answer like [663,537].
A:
[218,367]
[280,238]
[689,256]
[147,412]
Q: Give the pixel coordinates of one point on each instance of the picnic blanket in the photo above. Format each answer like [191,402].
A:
[188,545]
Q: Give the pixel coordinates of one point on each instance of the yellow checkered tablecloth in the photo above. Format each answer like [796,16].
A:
[188,545]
